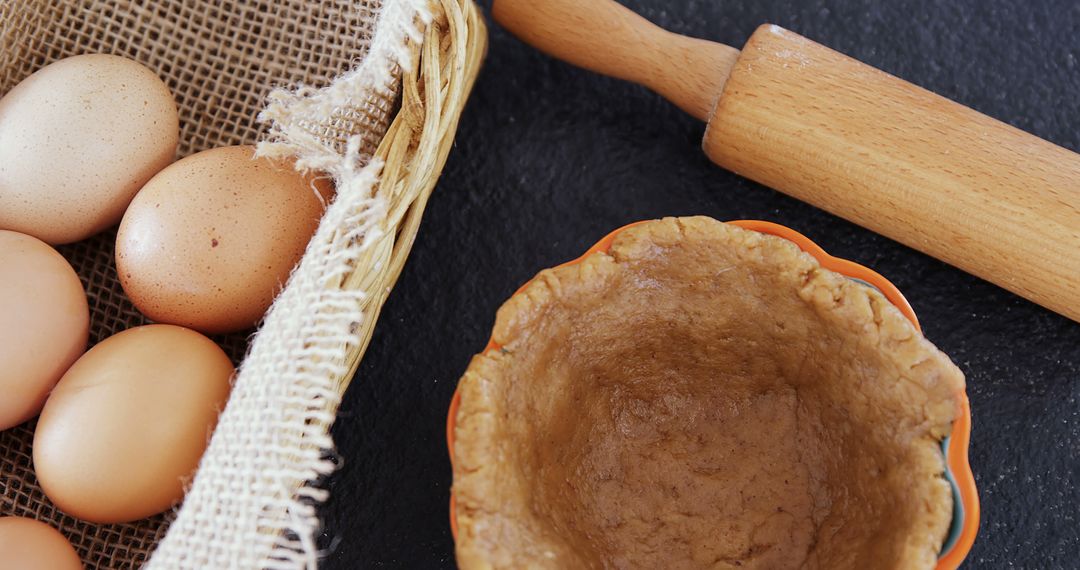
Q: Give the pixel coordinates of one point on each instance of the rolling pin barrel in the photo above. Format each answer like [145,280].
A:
[895,158]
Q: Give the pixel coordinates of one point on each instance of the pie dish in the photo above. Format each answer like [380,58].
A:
[695,394]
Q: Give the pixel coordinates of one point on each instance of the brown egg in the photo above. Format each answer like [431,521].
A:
[210,240]
[44,322]
[77,141]
[26,544]
[124,429]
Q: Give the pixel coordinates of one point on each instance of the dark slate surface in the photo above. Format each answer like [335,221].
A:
[549,158]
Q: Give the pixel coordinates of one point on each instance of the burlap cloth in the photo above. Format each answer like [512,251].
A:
[337,65]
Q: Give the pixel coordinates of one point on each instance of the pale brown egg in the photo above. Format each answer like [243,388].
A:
[124,429]
[26,544]
[77,141]
[209,242]
[44,322]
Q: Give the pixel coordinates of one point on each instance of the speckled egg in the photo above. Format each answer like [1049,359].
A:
[77,141]
[210,240]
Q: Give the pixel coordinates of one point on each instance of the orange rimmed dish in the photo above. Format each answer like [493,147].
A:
[965,518]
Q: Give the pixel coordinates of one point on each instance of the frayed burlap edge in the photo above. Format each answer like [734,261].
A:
[250,509]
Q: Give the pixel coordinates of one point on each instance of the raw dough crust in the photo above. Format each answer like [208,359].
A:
[703,396]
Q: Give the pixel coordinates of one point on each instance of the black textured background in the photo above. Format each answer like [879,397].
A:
[550,158]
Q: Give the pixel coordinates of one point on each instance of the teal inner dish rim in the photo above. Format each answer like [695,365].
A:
[957,503]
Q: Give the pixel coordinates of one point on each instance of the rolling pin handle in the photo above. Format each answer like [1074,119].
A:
[594,34]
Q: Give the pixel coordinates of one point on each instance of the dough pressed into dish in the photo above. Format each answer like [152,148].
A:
[702,396]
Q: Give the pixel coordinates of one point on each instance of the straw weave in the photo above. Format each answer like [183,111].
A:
[367,90]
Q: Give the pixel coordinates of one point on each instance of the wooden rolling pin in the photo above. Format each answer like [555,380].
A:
[810,122]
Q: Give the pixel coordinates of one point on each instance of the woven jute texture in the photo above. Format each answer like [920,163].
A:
[367,91]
